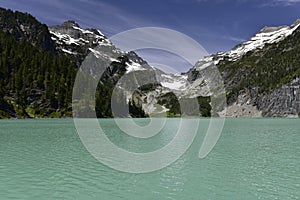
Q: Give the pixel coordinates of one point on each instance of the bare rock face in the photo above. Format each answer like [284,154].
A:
[282,102]
[248,111]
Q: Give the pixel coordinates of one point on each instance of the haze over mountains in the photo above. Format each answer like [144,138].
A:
[38,66]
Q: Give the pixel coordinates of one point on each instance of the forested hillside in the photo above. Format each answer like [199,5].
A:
[36,80]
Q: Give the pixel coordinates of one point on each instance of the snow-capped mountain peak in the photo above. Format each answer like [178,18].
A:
[72,39]
[267,35]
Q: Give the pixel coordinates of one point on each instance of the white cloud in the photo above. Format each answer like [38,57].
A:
[88,13]
[262,3]
[235,39]
[280,3]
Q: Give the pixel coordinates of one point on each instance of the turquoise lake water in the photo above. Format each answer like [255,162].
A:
[253,159]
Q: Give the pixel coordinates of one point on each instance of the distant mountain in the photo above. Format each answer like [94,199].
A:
[38,66]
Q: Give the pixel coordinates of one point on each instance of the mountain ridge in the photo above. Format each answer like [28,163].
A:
[271,50]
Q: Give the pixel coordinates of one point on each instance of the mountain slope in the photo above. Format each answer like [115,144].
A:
[268,76]
[33,82]
[261,76]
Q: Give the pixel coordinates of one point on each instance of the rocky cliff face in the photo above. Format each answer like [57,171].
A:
[282,102]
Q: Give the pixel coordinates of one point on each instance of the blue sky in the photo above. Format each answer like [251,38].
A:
[218,25]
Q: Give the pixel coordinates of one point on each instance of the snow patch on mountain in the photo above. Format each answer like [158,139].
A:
[64,38]
[68,52]
[83,31]
[174,82]
[133,66]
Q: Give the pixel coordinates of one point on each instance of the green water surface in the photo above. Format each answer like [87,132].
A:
[253,159]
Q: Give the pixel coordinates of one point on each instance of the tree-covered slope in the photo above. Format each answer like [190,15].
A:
[23,26]
[33,82]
